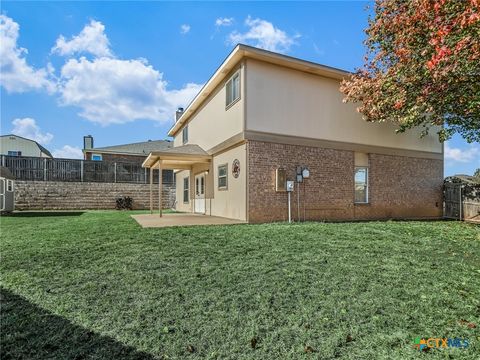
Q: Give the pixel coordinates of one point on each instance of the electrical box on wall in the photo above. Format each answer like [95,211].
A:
[281,180]
[290,185]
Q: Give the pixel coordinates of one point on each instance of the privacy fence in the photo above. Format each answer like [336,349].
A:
[462,199]
[72,170]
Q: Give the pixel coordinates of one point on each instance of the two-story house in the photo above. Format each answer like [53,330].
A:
[263,118]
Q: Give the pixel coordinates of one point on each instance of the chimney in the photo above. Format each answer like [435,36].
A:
[87,142]
[178,113]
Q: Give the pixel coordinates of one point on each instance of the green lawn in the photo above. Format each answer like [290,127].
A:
[95,285]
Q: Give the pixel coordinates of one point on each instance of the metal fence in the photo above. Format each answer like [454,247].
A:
[46,169]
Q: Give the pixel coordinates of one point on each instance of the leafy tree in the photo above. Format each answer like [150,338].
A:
[422,67]
[477,173]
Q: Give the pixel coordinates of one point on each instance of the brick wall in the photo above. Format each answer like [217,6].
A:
[49,195]
[400,187]
[117,157]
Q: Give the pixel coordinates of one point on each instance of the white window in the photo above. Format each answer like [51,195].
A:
[233,89]
[361,184]
[14,153]
[97,157]
[222,176]
[185,190]
[185,134]
[9,185]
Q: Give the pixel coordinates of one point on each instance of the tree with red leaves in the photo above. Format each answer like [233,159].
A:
[422,67]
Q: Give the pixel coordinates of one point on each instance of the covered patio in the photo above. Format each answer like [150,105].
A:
[181,219]
[177,158]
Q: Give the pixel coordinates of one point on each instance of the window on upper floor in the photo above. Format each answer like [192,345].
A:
[14,153]
[232,88]
[185,135]
[361,184]
[97,157]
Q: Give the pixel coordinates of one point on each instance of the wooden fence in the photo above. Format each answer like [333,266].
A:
[46,169]
[462,201]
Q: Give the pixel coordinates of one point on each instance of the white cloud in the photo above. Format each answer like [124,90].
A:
[112,91]
[92,39]
[68,152]
[462,155]
[224,21]
[15,74]
[28,128]
[185,28]
[265,35]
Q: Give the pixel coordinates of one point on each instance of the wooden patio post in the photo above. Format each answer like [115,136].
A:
[151,190]
[160,180]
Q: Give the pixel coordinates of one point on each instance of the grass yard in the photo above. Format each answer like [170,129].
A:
[95,285]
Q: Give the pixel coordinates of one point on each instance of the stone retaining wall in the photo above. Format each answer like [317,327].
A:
[50,195]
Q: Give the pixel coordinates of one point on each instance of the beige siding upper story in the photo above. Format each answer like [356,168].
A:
[17,143]
[213,123]
[290,102]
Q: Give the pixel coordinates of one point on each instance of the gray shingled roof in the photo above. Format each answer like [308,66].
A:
[190,149]
[140,148]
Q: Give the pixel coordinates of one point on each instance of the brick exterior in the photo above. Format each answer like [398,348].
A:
[116,157]
[51,195]
[399,187]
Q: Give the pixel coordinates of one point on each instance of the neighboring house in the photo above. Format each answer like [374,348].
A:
[263,118]
[131,153]
[14,145]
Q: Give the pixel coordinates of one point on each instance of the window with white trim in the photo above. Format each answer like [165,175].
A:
[9,185]
[232,88]
[222,176]
[14,153]
[97,157]
[361,184]
[185,135]
[185,190]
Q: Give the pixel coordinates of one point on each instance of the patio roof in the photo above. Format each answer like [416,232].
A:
[179,157]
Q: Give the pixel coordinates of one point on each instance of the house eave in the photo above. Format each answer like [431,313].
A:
[244,51]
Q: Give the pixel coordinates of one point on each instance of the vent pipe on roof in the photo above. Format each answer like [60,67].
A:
[88,142]
[178,113]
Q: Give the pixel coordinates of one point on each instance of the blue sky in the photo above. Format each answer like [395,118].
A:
[118,70]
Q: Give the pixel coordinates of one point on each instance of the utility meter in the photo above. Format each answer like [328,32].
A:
[290,185]
[306,173]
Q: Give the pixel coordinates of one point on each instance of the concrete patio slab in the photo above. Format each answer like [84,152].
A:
[168,220]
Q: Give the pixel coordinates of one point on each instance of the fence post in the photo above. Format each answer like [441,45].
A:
[145,172]
[81,170]
[460,204]
[115,172]
[45,169]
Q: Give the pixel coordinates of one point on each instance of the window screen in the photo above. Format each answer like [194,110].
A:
[361,184]
[222,176]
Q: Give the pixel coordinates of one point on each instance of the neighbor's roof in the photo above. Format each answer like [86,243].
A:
[244,51]
[140,148]
[465,179]
[42,149]
[6,173]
